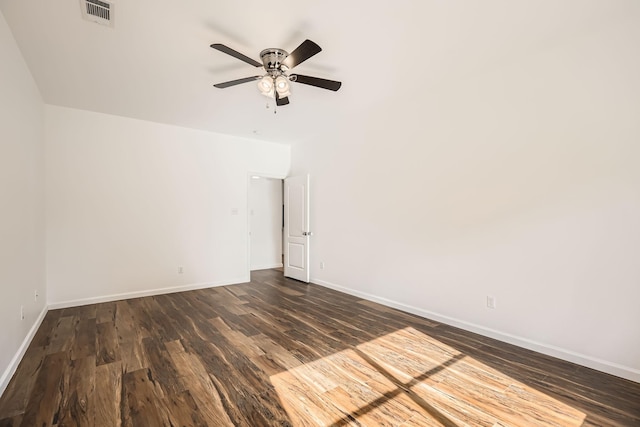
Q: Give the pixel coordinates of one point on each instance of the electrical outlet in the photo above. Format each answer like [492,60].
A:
[491,302]
[22,312]
[321,265]
[180,270]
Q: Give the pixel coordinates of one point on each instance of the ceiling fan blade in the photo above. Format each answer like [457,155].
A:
[236,54]
[303,52]
[317,82]
[237,82]
[281,101]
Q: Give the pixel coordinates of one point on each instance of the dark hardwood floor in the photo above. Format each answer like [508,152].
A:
[276,352]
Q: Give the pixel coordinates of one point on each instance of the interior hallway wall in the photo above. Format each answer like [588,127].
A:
[265,210]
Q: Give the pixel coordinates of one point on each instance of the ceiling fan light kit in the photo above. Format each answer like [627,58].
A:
[276,64]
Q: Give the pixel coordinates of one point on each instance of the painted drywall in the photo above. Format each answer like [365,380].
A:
[131,202]
[21,203]
[515,177]
[265,223]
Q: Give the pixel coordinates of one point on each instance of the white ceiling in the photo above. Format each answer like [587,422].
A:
[156,63]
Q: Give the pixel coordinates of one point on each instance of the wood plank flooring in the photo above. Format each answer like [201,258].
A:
[276,352]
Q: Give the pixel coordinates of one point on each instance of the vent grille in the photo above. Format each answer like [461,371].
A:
[97,11]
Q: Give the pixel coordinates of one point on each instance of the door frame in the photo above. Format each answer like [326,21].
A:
[250,176]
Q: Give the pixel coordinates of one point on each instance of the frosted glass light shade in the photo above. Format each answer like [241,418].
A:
[282,86]
[265,85]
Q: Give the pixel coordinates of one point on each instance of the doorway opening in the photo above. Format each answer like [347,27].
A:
[266,223]
[278,224]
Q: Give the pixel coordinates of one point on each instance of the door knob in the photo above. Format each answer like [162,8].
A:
[307,233]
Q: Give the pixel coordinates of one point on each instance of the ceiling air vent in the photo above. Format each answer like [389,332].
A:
[98,11]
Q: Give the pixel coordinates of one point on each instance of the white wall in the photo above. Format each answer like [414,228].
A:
[517,177]
[21,203]
[129,202]
[265,210]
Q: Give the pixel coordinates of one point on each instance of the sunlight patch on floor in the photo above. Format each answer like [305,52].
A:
[407,378]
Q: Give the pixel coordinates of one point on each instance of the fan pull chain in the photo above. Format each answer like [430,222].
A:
[275,107]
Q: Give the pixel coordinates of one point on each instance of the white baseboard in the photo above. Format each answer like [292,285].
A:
[13,365]
[550,350]
[145,293]
[267,266]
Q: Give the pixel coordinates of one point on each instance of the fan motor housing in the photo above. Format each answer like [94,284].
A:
[272,58]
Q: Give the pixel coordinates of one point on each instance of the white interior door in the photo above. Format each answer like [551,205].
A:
[296,228]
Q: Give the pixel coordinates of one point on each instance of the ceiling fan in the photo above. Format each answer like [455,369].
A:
[277,63]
